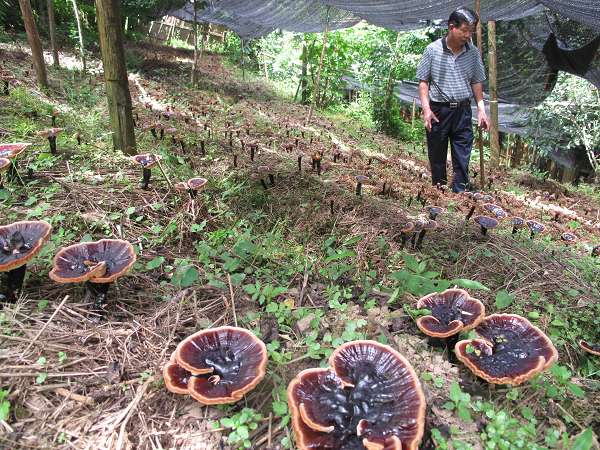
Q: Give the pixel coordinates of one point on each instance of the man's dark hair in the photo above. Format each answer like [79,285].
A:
[463,15]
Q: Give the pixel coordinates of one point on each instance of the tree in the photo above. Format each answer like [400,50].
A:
[115,74]
[52,32]
[34,42]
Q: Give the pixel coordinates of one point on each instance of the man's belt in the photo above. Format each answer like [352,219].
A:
[453,105]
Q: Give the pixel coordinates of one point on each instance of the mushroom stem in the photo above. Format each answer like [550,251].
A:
[235,160]
[252,153]
[483,230]
[331,211]
[299,163]
[531,235]
[420,239]
[15,283]
[404,238]
[318,167]
[383,190]
[358,188]
[192,193]
[264,185]
[5,90]
[162,133]
[153,131]
[202,149]
[410,199]
[53,121]
[146,178]
[182,144]
[52,141]
[471,211]
[98,292]
[272,179]
[515,229]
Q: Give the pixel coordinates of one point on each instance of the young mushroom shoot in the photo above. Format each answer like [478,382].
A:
[217,365]
[19,243]
[51,134]
[98,264]
[370,397]
[485,223]
[451,312]
[509,350]
[147,161]
[265,171]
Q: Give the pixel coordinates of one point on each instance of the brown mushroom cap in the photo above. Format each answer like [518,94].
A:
[486,222]
[369,398]
[4,164]
[13,150]
[197,183]
[517,222]
[50,132]
[98,262]
[21,241]
[596,251]
[452,311]
[176,377]
[594,349]
[408,227]
[510,351]
[535,227]
[147,160]
[363,179]
[229,362]
[569,238]
[496,210]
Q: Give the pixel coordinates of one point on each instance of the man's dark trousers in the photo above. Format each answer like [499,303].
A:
[454,125]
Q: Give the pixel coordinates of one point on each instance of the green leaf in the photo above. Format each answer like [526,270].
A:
[464,413]
[4,410]
[189,277]
[227,422]
[280,408]
[155,263]
[576,390]
[504,299]
[455,392]
[41,378]
[469,284]
[584,441]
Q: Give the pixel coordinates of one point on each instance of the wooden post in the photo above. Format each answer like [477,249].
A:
[52,31]
[479,130]
[413,113]
[34,42]
[81,50]
[494,138]
[318,80]
[389,89]
[108,13]
[194,78]
[243,67]
[304,78]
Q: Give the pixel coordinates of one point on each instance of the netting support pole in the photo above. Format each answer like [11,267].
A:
[243,67]
[318,80]
[479,130]
[413,113]
[492,62]
[195,29]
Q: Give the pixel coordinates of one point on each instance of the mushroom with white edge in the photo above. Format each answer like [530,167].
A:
[147,161]
[535,228]
[192,186]
[592,349]
[19,243]
[485,223]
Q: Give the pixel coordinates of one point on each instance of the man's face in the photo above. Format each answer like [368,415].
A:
[463,33]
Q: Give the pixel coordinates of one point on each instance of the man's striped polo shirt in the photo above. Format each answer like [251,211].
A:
[452,74]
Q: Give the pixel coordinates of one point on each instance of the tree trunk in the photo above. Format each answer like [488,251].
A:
[316,86]
[34,42]
[194,78]
[81,50]
[304,79]
[389,89]
[52,30]
[108,14]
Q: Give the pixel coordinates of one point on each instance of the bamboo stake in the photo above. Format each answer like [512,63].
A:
[81,50]
[479,130]
[52,30]
[195,65]
[494,138]
[318,80]
[413,113]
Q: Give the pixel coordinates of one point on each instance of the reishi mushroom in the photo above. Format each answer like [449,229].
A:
[535,227]
[517,223]
[370,397]
[427,225]
[51,134]
[192,186]
[360,180]
[176,377]
[452,312]
[434,211]
[486,223]
[510,350]
[97,264]
[225,363]
[593,349]
[19,243]
[568,238]
[11,152]
[147,161]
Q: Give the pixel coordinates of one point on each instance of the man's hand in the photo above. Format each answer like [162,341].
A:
[429,117]
[482,120]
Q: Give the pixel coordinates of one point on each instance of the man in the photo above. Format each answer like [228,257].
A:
[450,72]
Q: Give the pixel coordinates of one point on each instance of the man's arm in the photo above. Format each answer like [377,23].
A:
[482,119]
[428,115]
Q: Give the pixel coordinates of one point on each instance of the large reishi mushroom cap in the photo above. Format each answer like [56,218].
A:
[13,150]
[21,241]
[176,377]
[196,183]
[50,132]
[452,311]
[486,222]
[535,227]
[370,398]
[227,362]
[510,351]
[98,262]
